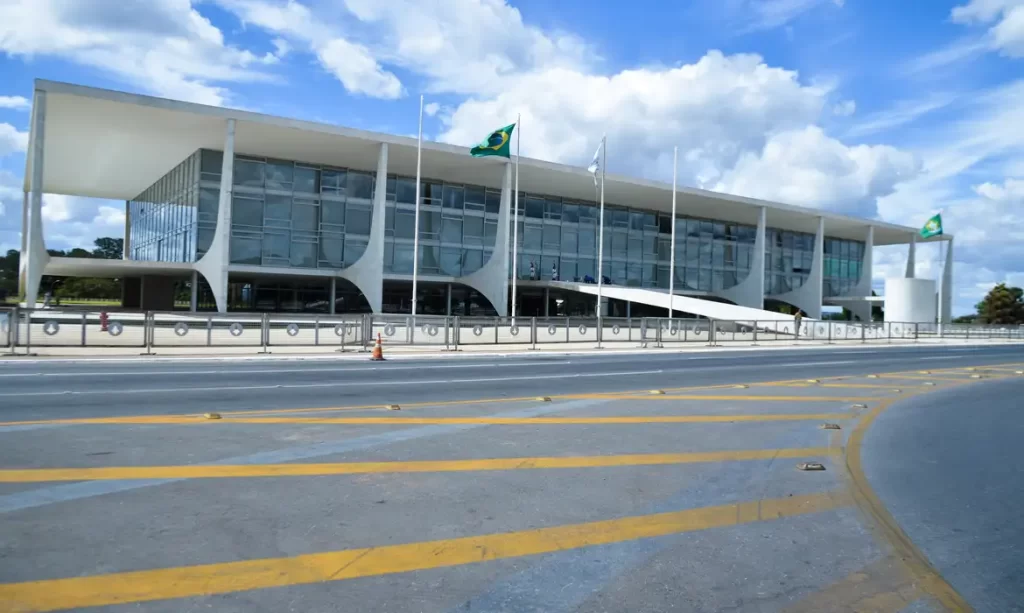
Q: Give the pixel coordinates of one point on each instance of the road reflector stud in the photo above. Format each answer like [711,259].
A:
[813,381]
[830,427]
[393,407]
[211,415]
[872,376]
[897,391]
[860,405]
[741,387]
[976,376]
[810,466]
[657,392]
[925,372]
[543,399]
[1018,372]
[972,369]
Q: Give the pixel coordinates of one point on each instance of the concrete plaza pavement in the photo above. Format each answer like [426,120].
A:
[639,482]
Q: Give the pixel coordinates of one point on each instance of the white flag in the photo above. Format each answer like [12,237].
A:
[595,165]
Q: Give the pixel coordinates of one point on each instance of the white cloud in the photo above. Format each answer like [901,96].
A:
[11,140]
[901,113]
[755,15]
[18,103]
[431,108]
[845,108]
[355,67]
[163,46]
[1006,35]
[807,167]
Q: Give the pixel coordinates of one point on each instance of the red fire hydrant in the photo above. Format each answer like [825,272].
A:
[103,321]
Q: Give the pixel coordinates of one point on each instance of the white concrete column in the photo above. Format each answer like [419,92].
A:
[333,296]
[912,257]
[23,257]
[36,255]
[946,291]
[126,252]
[448,309]
[493,277]
[193,303]
[749,292]
[808,297]
[214,263]
[367,273]
[863,287]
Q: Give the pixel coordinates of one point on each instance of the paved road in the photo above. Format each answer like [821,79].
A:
[948,468]
[475,496]
[28,390]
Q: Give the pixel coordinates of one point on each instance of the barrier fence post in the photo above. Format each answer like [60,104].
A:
[316,331]
[533,333]
[28,332]
[148,323]
[916,332]
[265,333]
[209,330]
[83,328]
[755,333]
[457,331]
[711,332]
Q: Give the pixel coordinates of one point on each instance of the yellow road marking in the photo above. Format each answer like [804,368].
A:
[880,587]
[35,475]
[496,421]
[851,385]
[927,377]
[223,578]
[930,580]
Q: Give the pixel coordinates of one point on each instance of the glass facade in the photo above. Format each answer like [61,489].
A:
[292,214]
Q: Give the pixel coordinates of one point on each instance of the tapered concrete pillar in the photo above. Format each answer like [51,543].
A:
[808,297]
[946,290]
[214,263]
[35,248]
[193,303]
[863,287]
[912,257]
[493,277]
[367,273]
[749,292]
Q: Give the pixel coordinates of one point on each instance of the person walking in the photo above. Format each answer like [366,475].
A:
[799,317]
[533,272]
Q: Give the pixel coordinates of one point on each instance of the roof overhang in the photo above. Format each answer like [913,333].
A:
[108,144]
[114,269]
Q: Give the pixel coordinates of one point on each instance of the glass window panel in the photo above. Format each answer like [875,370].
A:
[620,241]
[430,224]
[357,219]
[717,280]
[354,249]
[404,223]
[303,254]
[586,267]
[704,279]
[211,163]
[279,175]
[405,190]
[553,209]
[307,180]
[451,261]
[246,211]
[451,230]
[332,181]
[569,240]
[278,207]
[570,212]
[718,255]
[493,201]
[248,173]
[432,193]
[403,259]
[490,231]
[360,185]
[332,212]
[587,241]
[532,237]
[245,250]
[332,247]
[304,217]
[472,260]
[535,208]
[429,259]
[475,195]
[705,254]
[617,272]
[634,249]
[454,197]
[588,214]
[473,226]
[276,244]
[551,236]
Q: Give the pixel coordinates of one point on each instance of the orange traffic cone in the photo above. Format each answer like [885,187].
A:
[378,351]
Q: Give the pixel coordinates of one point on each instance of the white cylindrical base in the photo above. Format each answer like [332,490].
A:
[910,300]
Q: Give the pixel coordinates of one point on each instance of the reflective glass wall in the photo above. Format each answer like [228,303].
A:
[291,214]
[162,219]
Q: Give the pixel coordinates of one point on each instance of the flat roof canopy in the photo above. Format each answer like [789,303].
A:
[107,144]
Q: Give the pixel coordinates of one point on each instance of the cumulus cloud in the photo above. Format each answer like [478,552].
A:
[1006,18]
[844,108]
[12,140]
[18,103]
[164,46]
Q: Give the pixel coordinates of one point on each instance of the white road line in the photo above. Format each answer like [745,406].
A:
[264,371]
[178,390]
[944,357]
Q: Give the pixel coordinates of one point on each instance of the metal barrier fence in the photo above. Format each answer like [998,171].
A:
[91,328]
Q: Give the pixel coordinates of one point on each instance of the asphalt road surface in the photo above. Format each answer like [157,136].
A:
[634,482]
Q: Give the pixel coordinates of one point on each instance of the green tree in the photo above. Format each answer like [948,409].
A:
[1002,305]
[109,248]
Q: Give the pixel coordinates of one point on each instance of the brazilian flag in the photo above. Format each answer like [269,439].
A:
[496,143]
[932,227]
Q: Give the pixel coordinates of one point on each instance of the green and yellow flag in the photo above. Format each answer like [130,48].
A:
[497,143]
[932,227]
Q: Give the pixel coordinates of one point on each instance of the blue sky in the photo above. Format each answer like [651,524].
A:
[883,109]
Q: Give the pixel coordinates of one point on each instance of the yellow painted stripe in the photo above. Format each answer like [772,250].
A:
[752,398]
[494,421]
[208,579]
[964,377]
[883,586]
[852,385]
[33,475]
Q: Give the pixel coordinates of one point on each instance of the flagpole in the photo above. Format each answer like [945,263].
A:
[515,221]
[600,233]
[416,223]
[672,247]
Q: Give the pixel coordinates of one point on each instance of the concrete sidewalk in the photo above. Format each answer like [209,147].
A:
[333,352]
